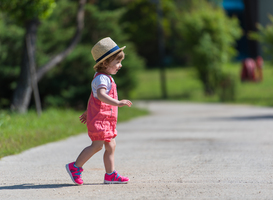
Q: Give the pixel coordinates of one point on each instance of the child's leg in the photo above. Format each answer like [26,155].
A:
[88,152]
[109,156]
[111,175]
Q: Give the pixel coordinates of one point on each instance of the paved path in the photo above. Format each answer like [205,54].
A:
[180,151]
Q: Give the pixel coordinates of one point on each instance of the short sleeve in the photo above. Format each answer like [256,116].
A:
[101,81]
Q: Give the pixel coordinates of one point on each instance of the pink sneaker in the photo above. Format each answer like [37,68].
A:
[75,173]
[115,178]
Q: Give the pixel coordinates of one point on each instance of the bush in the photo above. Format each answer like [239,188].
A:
[208,37]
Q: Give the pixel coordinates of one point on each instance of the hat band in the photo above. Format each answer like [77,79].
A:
[107,53]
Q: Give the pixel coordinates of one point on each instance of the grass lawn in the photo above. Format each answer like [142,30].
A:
[183,85]
[21,132]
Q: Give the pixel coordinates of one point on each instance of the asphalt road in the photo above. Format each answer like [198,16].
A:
[180,151]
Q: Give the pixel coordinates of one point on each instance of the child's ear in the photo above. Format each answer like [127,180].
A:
[104,63]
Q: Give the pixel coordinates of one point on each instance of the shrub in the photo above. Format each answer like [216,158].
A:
[209,37]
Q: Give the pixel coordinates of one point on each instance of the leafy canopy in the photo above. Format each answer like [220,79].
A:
[24,10]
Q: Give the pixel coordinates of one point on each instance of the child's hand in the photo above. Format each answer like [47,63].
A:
[125,102]
[83,117]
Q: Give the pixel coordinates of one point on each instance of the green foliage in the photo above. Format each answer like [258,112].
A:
[265,36]
[139,17]
[201,32]
[69,84]
[141,24]
[209,37]
[142,15]
[10,58]
[24,10]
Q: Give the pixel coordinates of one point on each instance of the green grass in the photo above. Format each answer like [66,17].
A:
[21,132]
[254,93]
[183,85]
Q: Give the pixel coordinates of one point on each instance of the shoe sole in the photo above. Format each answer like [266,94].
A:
[115,182]
[68,171]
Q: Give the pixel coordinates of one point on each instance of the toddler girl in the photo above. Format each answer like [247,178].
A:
[101,114]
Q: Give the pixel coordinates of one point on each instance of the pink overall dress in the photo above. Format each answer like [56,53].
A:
[102,117]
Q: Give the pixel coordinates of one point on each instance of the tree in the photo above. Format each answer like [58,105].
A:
[68,84]
[141,24]
[29,14]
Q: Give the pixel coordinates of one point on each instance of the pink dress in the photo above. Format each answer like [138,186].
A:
[102,117]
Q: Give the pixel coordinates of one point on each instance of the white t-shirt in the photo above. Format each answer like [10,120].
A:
[101,81]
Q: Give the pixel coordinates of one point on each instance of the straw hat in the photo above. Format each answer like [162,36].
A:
[104,48]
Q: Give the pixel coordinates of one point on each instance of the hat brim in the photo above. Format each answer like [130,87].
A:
[118,50]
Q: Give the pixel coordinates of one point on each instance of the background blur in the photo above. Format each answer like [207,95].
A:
[203,42]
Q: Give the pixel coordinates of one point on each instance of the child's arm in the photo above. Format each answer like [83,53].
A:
[83,117]
[102,96]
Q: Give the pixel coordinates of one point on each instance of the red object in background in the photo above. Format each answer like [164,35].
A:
[248,70]
[251,69]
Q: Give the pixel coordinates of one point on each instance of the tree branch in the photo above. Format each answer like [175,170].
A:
[76,38]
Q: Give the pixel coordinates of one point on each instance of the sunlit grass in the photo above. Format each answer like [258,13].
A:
[21,132]
[182,84]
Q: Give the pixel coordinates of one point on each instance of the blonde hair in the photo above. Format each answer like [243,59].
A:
[103,65]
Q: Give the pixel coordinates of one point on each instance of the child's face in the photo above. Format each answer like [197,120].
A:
[113,67]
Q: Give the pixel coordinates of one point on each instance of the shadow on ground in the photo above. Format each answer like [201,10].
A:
[246,118]
[42,186]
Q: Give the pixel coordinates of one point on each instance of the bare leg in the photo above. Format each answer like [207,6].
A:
[88,152]
[109,156]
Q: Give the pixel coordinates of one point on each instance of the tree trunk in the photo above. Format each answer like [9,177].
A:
[34,84]
[252,16]
[22,93]
[161,49]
